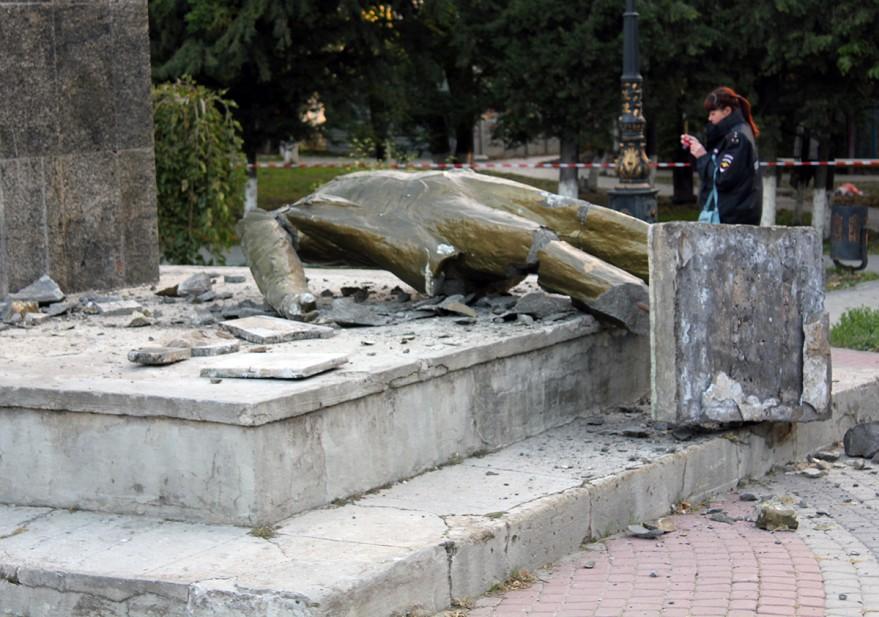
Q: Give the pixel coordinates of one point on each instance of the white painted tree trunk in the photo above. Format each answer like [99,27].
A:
[770,182]
[819,212]
[250,193]
[568,185]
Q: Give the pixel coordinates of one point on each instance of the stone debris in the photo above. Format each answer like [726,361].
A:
[827,455]
[747,497]
[33,319]
[274,366]
[202,318]
[168,292]
[247,308]
[113,308]
[195,285]
[644,532]
[214,349]
[234,278]
[266,330]
[721,517]
[159,356]
[139,320]
[357,294]
[457,307]
[862,440]
[812,472]
[774,516]
[541,305]
[42,291]
[58,308]
[348,312]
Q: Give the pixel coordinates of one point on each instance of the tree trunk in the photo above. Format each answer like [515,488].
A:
[570,153]
[438,138]
[251,191]
[464,139]
[770,184]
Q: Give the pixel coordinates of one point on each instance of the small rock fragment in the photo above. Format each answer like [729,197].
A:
[774,516]
[457,307]
[159,356]
[139,320]
[168,292]
[827,455]
[747,497]
[640,531]
[357,294]
[540,305]
[234,278]
[33,319]
[856,463]
[862,440]
[15,311]
[58,308]
[722,517]
[812,472]
[594,420]
[637,433]
[195,285]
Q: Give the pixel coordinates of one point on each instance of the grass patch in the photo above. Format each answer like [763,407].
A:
[266,532]
[858,328]
[285,185]
[840,278]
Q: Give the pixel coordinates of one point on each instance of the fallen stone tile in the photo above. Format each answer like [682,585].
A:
[773,516]
[202,318]
[121,307]
[458,308]
[214,349]
[234,278]
[812,472]
[195,285]
[862,440]
[640,531]
[159,356]
[42,291]
[274,366]
[208,296]
[265,330]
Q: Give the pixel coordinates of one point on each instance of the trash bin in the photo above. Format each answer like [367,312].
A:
[848,234]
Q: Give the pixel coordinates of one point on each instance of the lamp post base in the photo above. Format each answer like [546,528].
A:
[637,202]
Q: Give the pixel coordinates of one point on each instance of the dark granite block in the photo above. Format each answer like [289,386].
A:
[84,61]
[84,217]
[24,218]
[137,184]
[28,100]
[131,76]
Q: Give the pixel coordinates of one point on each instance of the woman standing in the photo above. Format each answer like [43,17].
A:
[728,164]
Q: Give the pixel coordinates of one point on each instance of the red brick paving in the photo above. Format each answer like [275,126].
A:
[704,569]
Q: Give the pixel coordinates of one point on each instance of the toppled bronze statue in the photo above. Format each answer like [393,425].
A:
[448,232]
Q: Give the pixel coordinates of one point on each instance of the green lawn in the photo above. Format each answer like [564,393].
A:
[857,328]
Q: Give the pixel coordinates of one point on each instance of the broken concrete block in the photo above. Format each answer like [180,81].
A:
[214,349]
[457,307]
[121,307]
[159,356]
[42,291]
[264,330]
[862,440]
[776,517]
[32,319]
[349,312]
[274,366]
[738,328]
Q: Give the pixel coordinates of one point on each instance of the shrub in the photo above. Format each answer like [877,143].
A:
[857,328]
[200,170]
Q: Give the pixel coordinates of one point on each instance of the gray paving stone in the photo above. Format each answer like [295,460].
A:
[265,330]
[274,366]
[159,356]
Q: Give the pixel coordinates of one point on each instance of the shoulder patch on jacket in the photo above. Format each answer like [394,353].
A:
[725,162]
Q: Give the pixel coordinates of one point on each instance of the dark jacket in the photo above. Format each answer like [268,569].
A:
[739,185]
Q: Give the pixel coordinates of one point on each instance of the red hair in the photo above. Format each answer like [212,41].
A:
[727,97]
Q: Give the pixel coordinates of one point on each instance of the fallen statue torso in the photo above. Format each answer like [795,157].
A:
[447,232]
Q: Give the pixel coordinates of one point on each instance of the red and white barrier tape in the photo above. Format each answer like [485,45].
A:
[660,165]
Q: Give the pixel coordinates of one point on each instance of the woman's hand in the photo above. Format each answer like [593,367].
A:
[693,145]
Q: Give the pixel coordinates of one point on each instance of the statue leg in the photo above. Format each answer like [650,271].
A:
[594,285]
[275,265]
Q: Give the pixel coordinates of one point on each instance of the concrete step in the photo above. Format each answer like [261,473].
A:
[444,535]
[100,433]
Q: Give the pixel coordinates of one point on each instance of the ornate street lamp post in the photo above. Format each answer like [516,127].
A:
[633,194]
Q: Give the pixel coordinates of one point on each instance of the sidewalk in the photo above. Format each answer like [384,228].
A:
[718,563]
